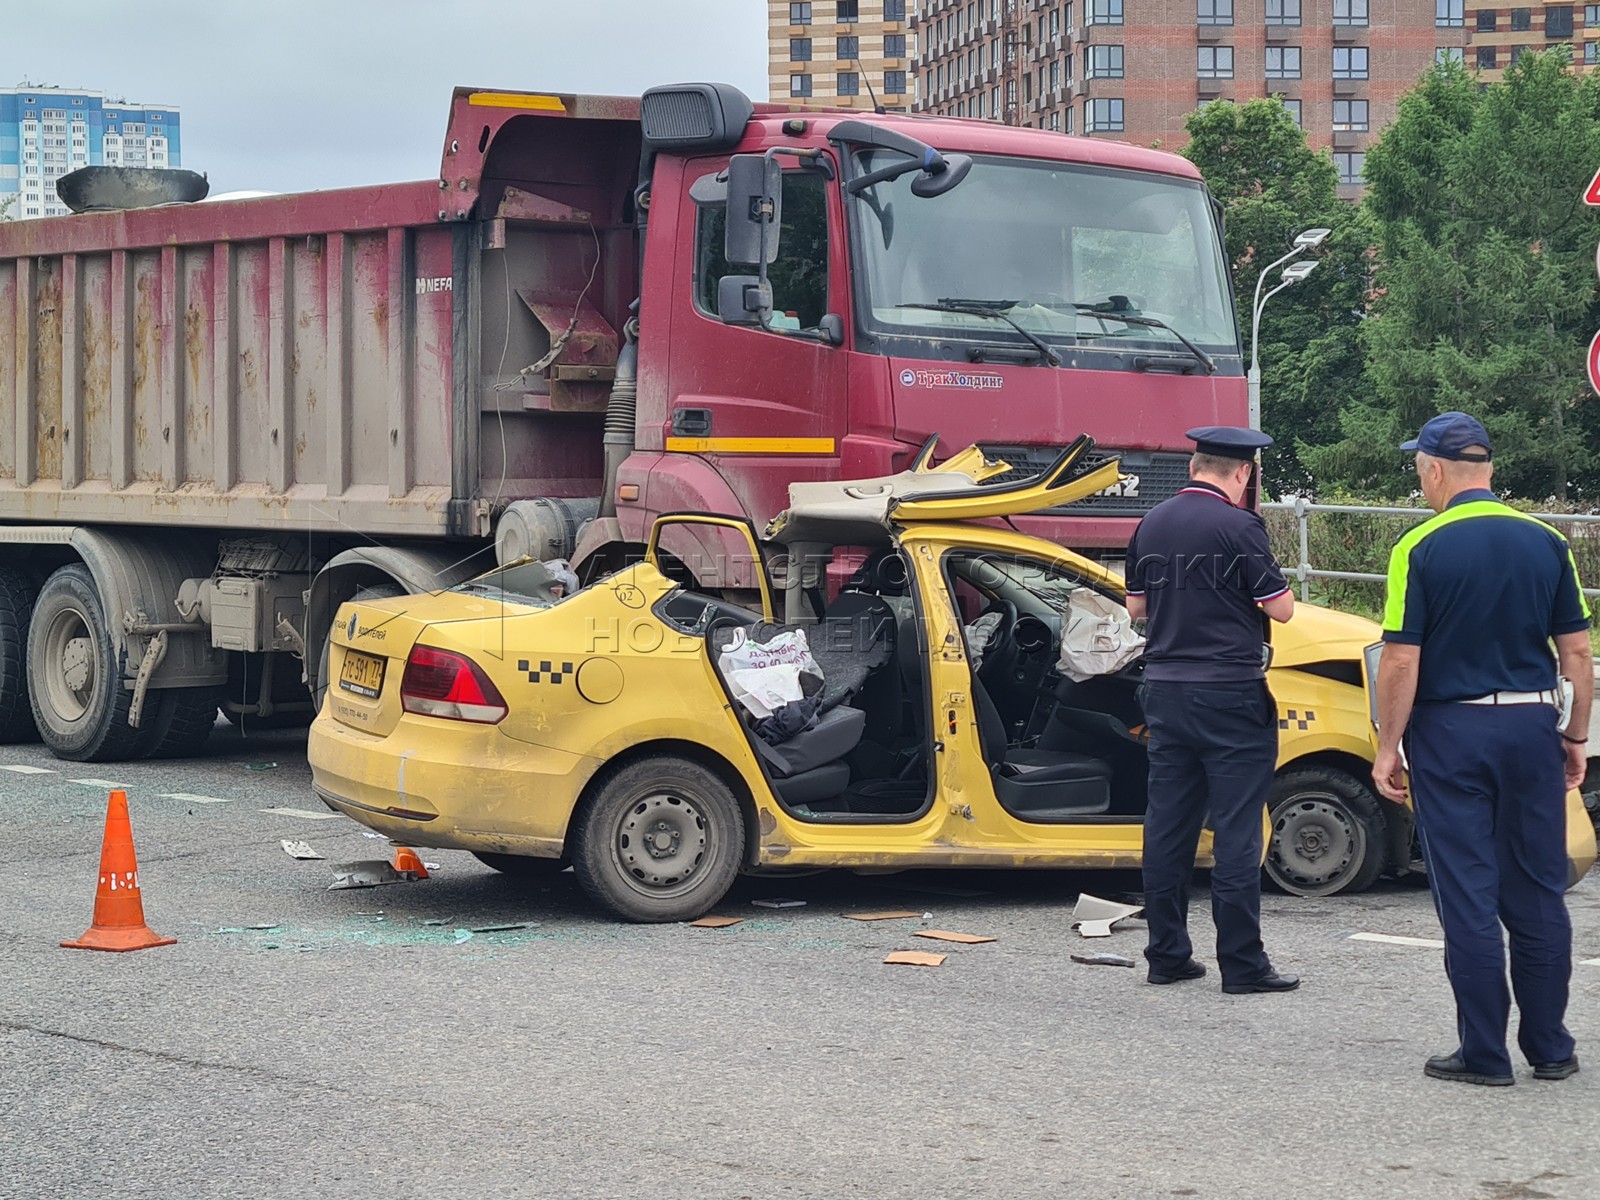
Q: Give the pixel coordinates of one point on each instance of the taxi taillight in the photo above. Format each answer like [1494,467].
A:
[439,683]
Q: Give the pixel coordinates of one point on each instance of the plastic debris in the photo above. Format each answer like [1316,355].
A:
[463,935]
[1103,960]
[945,935]
[915,958]
[1094,917]
[298,849]
[431,866]
[364,874]
[274,925]
[715,922]
[892,914]
[779,903]
[367,833]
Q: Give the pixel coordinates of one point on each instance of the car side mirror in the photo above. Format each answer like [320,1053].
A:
[744,300]
[754,206]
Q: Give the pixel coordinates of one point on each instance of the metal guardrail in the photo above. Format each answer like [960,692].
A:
[1303,509]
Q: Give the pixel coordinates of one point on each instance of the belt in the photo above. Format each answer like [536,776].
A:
[1551,697]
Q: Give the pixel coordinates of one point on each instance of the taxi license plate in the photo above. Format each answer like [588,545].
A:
[362,674]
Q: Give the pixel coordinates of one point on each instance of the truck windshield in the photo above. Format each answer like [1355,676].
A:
[1059,249]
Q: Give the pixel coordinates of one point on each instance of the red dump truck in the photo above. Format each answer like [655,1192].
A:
[225,419]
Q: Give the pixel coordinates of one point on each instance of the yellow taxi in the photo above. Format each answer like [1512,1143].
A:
[952,712]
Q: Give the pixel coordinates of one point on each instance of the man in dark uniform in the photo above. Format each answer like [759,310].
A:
[1467,677]
[1201,570]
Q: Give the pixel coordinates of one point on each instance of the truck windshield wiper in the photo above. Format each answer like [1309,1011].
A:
[995,309]
[1096,311]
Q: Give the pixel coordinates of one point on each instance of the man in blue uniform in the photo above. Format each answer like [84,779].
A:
[1201,571]
[1476,594]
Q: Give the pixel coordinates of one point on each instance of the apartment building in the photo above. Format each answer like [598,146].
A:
[840,53]
[1135,69]
[1498,36]
[47,132]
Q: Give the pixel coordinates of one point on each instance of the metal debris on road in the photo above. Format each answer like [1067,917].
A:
[893,914]
[502,928]
[716,922]
[434,921]
[1094,917]
[945,935]
[779,903]
[1393,940]
[915,958]
[298,849]
[374,873]
[1103,960]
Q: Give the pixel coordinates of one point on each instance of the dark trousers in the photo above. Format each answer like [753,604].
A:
[1213,747]
[1489,790]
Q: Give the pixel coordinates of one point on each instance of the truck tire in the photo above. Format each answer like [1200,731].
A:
[75,673]
[658,839]
[178,722]
[1328,833]
[16,606]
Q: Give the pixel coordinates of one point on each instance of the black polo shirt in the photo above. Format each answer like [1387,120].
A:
[1203,566]
[1482,588]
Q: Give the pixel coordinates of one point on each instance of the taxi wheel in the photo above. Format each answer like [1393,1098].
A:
[1328,833]
[660,839]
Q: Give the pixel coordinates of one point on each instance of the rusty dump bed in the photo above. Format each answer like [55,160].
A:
[344,360]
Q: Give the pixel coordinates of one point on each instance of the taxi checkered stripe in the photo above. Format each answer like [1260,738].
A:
[545,668]
[1299,720]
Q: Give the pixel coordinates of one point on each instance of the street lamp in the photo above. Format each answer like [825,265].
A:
[1309,239]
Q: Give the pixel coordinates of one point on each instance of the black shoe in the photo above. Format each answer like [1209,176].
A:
[1189,970]
[1565,1069]
[1270,982]
[1450,1066]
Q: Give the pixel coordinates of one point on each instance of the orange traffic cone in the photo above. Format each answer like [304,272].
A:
[407,862]
[118,907]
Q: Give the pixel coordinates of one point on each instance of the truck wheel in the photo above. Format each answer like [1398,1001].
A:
[1328,833]
[16,606]
[75,674]
[178,721]
[659,839]
[319,678]
[522,867]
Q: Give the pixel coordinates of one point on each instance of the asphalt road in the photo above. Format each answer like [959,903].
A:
[362,1046]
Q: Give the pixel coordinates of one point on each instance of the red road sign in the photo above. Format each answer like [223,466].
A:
[1591,194]
[1594,363]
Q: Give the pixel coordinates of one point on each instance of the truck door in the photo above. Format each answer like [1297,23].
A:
[763,408]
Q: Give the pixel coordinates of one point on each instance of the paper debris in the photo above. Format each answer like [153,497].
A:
[1103,960]
[916,958]
[779,903]
[891,914]
[367,833]
[944,935]
[1094,917]
[715,922]
[298,849]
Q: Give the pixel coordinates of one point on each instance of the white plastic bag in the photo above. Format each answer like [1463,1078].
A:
[1097,637]
[980,633]
[765,676]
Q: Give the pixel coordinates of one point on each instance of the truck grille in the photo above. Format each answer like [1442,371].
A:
[1160,476]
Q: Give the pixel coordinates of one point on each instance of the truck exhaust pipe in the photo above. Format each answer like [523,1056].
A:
[621,416]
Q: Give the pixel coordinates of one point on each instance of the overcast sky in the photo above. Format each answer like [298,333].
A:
[288,95]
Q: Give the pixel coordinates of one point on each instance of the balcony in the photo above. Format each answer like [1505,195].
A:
[1349,87]
[1348,139]
[1348,35]
[1280,33]
[1211,33]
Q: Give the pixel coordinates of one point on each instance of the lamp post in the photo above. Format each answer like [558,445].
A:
[1310,239]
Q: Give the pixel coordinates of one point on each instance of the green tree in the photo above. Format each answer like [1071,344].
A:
[1272,185]
[5,207]
[1485,293]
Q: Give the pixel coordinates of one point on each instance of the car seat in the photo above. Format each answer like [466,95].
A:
[1041,786]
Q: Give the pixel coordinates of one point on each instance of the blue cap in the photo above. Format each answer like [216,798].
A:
[1451,435]
[1228,441]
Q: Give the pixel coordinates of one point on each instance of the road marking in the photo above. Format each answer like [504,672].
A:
[1392,940]
[1590,962]
[105,785]
[300,812]
[191,798]
[19,769]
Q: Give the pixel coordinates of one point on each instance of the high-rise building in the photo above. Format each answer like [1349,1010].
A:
[1499,35]
[46,132]
[840,53]
[1133,70]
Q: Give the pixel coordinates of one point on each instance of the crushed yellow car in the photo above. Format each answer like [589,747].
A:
[537,729]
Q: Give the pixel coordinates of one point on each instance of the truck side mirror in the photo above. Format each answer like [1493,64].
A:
[744,300]
[755,203]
